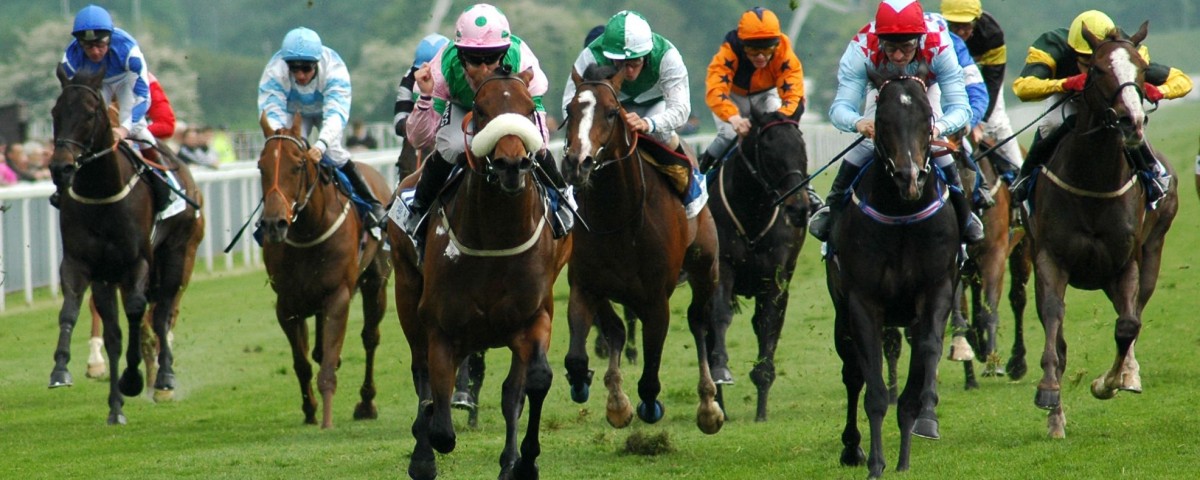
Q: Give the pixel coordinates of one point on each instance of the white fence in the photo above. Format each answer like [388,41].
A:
[30,248]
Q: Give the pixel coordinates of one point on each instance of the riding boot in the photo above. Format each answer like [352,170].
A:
[969,224]
[158,188]
[433,176]
[1039,152]
[564,217]
[1156,179]
[814,199]
[982,199]
[377,215]
[821,223]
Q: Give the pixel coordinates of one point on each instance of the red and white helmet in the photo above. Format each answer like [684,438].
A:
[900,17]
[482,27]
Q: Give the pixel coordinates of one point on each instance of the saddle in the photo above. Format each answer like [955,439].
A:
[672,163]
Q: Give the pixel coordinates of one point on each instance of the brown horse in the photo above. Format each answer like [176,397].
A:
[1090,225]
[636,241]
[111,239]
[893,263]
[317,255]
[486,281]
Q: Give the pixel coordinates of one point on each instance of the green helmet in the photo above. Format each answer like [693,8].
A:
[627,35]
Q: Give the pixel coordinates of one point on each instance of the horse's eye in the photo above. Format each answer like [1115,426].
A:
[612,115]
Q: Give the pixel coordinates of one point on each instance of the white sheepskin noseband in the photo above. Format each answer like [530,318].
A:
[507,124]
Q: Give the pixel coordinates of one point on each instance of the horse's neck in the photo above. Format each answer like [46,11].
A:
[322,208]
[481,210]
[103,175]
[1098,151]
[620,189]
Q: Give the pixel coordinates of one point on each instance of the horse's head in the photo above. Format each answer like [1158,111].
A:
[903,127]
[288,178]
[506,137]
[774,151]
[595,123]
[1116,73]
[82,124]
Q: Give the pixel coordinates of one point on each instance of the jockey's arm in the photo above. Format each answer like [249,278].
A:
[336,108]
[852,86]
[673,79]
[719,82]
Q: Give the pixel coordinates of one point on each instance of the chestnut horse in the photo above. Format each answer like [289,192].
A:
[317,255]
[486,281]
[759,241]
[636,239]
[1090,225]
[112,240]
[893,263]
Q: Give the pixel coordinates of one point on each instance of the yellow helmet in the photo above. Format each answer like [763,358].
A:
[1097,22]
[961,11]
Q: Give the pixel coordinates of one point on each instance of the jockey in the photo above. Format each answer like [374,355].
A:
[406,98]
[98,44]
[901,37]
[307,77]
[985,44]
[977,98]
[655,92]
[1056,65]
[482,43]
[755,69]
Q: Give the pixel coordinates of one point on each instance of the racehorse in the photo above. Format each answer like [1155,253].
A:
[486,281]
[893,263]
[759,241]
[112,240]
[636,239]
[1090,225]
[317,255]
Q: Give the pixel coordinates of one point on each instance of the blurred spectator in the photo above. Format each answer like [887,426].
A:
[359,139]
[219,143]
[18,162]
[160,114]
[692,126]
[7,175]
[194,148]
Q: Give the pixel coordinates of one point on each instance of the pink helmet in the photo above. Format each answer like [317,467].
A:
[482,27]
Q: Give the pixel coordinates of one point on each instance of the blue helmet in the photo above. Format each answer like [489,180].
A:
[429,48]
[92,23]
[301,44]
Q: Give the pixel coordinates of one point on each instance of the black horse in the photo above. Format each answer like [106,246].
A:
[893,262]
[759,241]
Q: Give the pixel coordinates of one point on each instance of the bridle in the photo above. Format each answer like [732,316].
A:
[630,139]
[294,207]
[1110,119]
[755,165]
[488,168]
[85,153]
[889,163]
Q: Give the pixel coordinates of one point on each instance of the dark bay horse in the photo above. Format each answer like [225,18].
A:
[486,281]
[111,239]
[636,240]
[317,256]
[893,264]
[1090,225]
[759,241]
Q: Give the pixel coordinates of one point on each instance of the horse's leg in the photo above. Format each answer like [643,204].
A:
[892,343]
[926,352]
[467,384]
[960,348]
[579,321]
[869,349]
[97,365]
[443,361]
[617,408]
[531,376]
[1123,375]
[74,284]
[422,464]
[970,332]
[631,350]
[172,269]
[655,317]
[987,308]
[373,288]
[718,357]
[133,298]
[852,378]
[332,325]
[295,327]
[106,304]
[1049,288]
[702,275]
[1019,266]
[768,327]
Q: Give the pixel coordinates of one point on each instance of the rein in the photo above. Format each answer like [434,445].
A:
[295,206]
[769,190]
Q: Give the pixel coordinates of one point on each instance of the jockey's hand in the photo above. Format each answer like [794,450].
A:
[977,134]
[424,79]
[1075,83]
[313,154]
[935,132]
[119,133]
[741,126]
[1153,94]
[637,123]
[866,128]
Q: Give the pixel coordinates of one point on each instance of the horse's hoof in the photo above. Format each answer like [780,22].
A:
[422,470]
[463,401]
[1046,399]
[1016,369]
[60,378]
[711,419]
[960,350]
[116,419]
[722,376]
[165,381]
[650,414]
[163,396]
[525,470]
[926,428]
[1102,391]
[971,384]
[131,383]
[443,443]
[853,457]
[994,372]
[96,370]
[580,392]
[365,411]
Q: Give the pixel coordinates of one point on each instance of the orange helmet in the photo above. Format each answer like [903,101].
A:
[759,24]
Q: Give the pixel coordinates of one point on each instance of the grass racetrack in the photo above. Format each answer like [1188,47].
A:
[237,414]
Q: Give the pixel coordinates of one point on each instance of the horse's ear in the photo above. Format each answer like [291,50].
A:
[1090,38]
[1141,33]
[526,75]
[576,79]
[618,79]
[875,77]
[266,126]
[61,73]
[297,121]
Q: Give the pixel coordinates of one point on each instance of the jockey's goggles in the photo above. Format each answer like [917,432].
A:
[302,67]
[907,47]
[485,58]
[756,51]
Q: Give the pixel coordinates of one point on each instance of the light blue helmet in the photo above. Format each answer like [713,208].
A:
[301,44]
[92,23]
[429,48]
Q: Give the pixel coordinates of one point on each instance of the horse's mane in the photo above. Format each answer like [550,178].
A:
[597,72]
